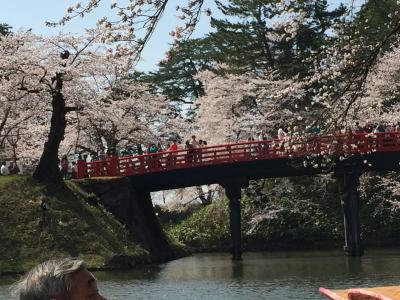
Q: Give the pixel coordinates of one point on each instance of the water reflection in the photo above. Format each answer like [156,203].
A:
[237,269]
[141,273]
[276,276]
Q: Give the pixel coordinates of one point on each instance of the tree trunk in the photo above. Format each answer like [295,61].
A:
[48,170]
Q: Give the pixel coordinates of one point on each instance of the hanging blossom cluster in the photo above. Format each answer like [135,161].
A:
[134,21]
[380,102]
[22,82]
[344,72]
[124,114]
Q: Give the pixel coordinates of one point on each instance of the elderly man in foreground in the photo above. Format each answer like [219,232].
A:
[66,279]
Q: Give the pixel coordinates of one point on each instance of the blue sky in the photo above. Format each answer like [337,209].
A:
[33,14]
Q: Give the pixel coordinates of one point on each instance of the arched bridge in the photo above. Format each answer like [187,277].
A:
[347,156]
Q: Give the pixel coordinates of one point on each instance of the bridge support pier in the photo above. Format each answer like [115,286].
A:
[350,199]
[233,192]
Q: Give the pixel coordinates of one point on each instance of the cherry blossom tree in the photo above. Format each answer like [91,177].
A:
[44,79]
[236,106]
[18,93]
[124,113]
[380,101]
[343,71]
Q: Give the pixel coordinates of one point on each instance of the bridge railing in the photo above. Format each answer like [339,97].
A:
[343,144]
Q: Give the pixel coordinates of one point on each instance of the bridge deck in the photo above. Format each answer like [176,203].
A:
[331,147]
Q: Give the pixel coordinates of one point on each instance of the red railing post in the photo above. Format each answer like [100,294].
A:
[81,169]
[99,168]
[229,148]
[113,166]
[349,142]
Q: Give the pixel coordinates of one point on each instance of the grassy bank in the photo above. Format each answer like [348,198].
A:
[68,227]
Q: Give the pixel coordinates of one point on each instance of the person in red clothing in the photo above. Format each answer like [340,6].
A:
[172,148]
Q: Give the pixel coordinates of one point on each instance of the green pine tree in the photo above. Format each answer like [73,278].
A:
[4,29]
[176,75]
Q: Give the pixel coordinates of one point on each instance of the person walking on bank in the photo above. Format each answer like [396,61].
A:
[13,168]
[4,170]
[64,167]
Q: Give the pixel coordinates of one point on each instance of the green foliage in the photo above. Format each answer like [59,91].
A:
[242,38]
[70,227]
[246,40]
[205,229]
[306,213]
[171,217]
[4,29]
[296,213]
[296,210]
[371,21]
[175,77]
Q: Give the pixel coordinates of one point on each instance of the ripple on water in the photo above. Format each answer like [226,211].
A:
[276,276]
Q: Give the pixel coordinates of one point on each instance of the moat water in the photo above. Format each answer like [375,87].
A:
[267,275]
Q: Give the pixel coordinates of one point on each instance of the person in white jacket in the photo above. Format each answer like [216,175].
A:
[281,134]
[4,169]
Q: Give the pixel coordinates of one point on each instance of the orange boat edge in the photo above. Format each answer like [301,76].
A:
[376,293]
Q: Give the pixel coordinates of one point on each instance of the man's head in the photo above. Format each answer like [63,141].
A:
[66,279]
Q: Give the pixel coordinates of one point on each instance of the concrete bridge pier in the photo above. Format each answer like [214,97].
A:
[350,199]
[233,192]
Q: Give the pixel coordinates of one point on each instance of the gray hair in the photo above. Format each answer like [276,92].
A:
[52,278]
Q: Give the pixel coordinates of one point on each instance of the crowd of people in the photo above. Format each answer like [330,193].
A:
[191,144]
[195,148]
[376,128]
[11,169]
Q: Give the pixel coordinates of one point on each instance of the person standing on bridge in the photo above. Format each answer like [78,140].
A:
[281,133]
[102,153]
[281,137]
[173,148]
[262,138]
[190,152]
[199,150]
[195,145]
[152,149]
[358,128]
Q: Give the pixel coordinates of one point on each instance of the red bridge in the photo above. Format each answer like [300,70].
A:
[346,156]
[331,147]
